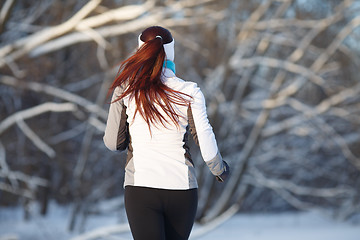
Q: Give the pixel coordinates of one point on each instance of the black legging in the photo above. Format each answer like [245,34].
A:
[159,214]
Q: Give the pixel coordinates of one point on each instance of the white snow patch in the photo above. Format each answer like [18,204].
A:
[285,226]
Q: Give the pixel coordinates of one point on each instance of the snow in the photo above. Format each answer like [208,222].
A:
[284,226]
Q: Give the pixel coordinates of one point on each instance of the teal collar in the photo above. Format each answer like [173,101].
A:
[170,65]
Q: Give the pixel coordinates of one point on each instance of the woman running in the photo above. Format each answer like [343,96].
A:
[150,114]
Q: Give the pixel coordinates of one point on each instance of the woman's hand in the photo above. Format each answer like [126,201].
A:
[225,174]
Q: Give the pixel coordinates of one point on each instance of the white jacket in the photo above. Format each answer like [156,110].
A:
[161,159]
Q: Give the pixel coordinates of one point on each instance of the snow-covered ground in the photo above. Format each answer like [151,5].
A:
[286,226]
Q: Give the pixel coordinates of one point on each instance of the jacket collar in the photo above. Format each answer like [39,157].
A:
[168,73]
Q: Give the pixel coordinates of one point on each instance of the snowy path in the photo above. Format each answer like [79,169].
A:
[288,226]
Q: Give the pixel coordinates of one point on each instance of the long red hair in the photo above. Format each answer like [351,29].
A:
[140,75]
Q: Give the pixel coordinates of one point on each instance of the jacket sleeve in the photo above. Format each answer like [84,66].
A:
[203,134]
[116,135]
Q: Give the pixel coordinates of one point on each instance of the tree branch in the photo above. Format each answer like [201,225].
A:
[56,92]
[36,140]
[34,111]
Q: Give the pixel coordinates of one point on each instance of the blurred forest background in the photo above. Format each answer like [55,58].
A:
[281,80]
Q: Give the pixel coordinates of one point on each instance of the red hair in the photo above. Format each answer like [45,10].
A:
[140,75]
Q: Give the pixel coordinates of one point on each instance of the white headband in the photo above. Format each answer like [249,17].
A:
[168,47]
